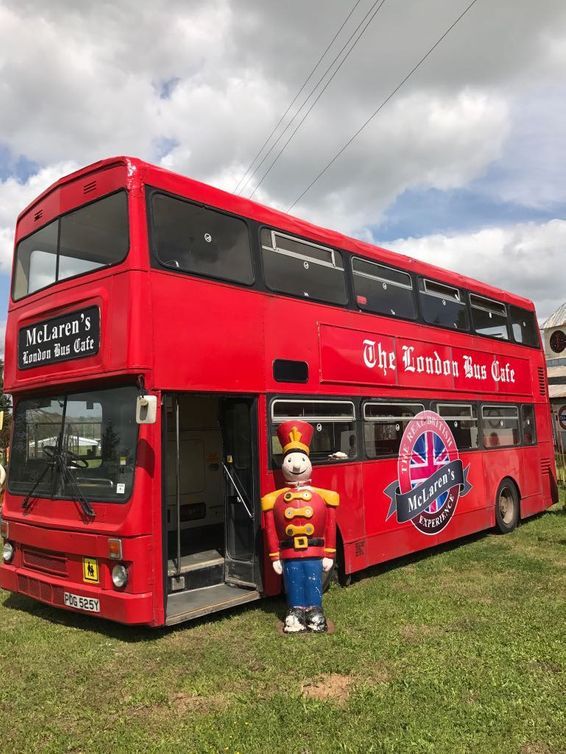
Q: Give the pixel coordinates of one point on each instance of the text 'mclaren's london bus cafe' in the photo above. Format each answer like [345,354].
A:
[159,330]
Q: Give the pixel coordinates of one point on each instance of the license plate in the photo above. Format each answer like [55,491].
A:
[81,603]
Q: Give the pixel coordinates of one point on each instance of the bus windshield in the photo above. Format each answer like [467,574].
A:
[94,432]
[93,236]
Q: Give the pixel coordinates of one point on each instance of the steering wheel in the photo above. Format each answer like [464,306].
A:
[49,450]
[71,459]
[74,461]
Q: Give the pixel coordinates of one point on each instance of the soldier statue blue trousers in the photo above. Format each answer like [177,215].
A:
[303,582]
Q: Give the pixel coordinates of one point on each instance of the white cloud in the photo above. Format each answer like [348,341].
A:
[209,79]
[526,258]
[14,196]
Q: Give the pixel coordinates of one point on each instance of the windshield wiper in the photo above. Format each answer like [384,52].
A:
[26,503]
[58,460]
[62,457]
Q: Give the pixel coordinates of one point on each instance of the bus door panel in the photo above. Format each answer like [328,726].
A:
[200,479]
[238,419]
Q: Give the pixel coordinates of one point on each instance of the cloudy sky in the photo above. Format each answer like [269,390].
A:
[463,166]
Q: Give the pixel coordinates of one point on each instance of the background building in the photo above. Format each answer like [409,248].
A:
[554,339]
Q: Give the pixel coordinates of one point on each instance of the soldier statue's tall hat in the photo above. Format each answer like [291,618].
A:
[295,435]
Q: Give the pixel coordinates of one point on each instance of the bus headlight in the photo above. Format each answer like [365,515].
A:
[119,576]
[7,552]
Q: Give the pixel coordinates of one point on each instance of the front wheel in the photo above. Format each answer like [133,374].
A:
[506,507]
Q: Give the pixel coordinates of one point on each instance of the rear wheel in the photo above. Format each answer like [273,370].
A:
[506,507]
[337,574]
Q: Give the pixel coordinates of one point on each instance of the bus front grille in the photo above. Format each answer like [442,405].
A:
[48,562]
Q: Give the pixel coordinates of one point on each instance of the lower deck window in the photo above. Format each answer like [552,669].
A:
[384,424]
[528,425]
[500,426]
[463,422]
[334,437]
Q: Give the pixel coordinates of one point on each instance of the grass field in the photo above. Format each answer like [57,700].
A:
[461,650]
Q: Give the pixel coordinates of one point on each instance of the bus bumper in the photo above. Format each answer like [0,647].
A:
[112,605]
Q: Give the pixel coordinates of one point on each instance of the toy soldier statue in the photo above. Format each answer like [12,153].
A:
[300,525]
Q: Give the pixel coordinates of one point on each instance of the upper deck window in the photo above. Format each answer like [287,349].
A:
[90,237]
[524,326]
[489,317]
[301,268]
[443,305]
[193,238]
[383,290]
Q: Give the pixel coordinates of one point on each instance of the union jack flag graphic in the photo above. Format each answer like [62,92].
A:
[429,454]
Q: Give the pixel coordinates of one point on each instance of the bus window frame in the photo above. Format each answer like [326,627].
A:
[474,404]
[57,219]
[522,407]
[157,264]
[484,425]
[337,252]
[413,288]
[409,401]
[478,306]
[272,425]
[463,301]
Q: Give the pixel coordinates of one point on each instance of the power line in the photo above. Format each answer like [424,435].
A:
[380,2]
[295,98]
[382,105]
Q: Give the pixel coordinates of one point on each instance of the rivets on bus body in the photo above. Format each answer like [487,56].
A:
[115,549]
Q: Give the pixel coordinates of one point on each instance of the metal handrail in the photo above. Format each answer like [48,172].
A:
[240,495]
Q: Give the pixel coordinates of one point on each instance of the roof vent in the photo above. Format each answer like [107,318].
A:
[38,216]
[88,188]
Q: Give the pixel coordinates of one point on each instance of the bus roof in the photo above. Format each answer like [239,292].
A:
[142,172]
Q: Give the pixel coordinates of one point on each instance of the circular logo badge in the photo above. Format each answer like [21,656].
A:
[558,341]
[426,447]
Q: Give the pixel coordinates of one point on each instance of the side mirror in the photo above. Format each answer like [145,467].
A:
[146,409]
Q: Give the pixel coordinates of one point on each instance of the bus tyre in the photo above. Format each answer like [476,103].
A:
[506,507]
[337,574]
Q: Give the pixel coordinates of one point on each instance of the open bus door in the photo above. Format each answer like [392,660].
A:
[210,504]
[238,422]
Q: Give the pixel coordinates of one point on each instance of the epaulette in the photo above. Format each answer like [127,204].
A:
[330,498]
[268,501]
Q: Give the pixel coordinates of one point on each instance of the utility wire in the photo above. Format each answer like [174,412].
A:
[295,98]
[382,105]
[371,13]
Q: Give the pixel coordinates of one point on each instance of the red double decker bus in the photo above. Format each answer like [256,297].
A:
[159,330]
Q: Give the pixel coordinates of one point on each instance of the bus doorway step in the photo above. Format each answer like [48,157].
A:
[198,602]
[198,570]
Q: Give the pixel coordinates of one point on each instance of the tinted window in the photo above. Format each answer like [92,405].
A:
[529,425]
[334,428]
[285,370]
[500,426]
[92,236]
[384,424]
[299,268]
[383,290]
[196,239]
[489,317]
[524,326]
[463,423]
[443,305]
